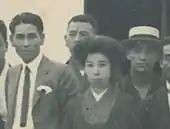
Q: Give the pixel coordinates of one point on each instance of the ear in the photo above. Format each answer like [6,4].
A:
[65,38]
[128,55]
[161,63]
[42,36]
[11,39]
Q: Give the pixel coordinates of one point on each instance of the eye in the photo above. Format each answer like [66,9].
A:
[102,64]
[72,33]
[89,65]
[32,36]
[20,36]
[84,34]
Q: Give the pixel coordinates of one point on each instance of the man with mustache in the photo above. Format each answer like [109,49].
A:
[143,52]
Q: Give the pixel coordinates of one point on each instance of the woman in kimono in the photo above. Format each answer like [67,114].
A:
[103,105]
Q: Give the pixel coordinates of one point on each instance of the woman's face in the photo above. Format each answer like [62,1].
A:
[97,69]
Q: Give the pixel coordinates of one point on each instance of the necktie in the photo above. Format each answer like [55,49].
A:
[25,98]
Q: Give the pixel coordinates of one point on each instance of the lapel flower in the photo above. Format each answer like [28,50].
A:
[44,88]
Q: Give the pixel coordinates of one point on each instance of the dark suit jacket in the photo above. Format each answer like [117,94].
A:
[84,84]
[155,112]
[127,86]
[46,108]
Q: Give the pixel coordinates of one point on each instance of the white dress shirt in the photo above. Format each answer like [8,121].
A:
[3,109]
[168,87]
[33,66]
[98,97]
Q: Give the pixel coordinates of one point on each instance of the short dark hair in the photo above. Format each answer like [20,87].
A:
[85,18]
[27,18]
[3,30]
[105,45]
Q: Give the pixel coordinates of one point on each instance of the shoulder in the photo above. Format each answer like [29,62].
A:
[14,69]
[157,96]
[57,66]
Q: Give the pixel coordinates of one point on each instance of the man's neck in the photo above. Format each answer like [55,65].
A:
[141,79]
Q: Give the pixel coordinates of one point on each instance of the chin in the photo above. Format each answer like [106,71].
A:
[141,70]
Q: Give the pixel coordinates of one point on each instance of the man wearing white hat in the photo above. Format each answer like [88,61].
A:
[143,52]
[157,115]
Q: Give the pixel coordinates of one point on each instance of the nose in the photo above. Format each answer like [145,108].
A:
[26,42]
[143,56]
[77,38]
[96,71]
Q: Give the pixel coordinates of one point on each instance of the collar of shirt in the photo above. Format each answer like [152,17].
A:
[33,65]
[98,96]
[168,86]
[82,72]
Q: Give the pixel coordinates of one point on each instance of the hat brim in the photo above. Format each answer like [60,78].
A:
[130,43]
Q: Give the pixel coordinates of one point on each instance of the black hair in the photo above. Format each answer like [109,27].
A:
[105,45]
[85,18]
[27,18]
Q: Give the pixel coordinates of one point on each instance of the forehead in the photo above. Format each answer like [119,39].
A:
[166,49]
[81,26]
[143,46]
[25,28]
[97,57]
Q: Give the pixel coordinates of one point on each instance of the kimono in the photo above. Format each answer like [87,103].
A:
[83,112]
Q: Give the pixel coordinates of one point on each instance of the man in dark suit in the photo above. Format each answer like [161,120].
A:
[79,27]
[4,65]
[155,113]
[38,88]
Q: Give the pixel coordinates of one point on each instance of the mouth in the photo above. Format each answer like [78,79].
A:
[142,64]
[96,80]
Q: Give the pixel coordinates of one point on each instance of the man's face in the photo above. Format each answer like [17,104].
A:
[77,31]
[143,57]
[166,60]
[27,41]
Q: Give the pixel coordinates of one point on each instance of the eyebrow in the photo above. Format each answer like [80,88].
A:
[100,61]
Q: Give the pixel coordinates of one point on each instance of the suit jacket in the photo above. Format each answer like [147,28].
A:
[84,84]
[155,112]
[46,108]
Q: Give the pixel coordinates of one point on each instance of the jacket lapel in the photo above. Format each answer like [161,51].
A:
[82,78]
[42,76]
[12,93]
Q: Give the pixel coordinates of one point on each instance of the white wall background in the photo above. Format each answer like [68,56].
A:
[55,14]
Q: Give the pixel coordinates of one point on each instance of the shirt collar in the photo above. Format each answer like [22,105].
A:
[33,65]
[167,85]
[98,96]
